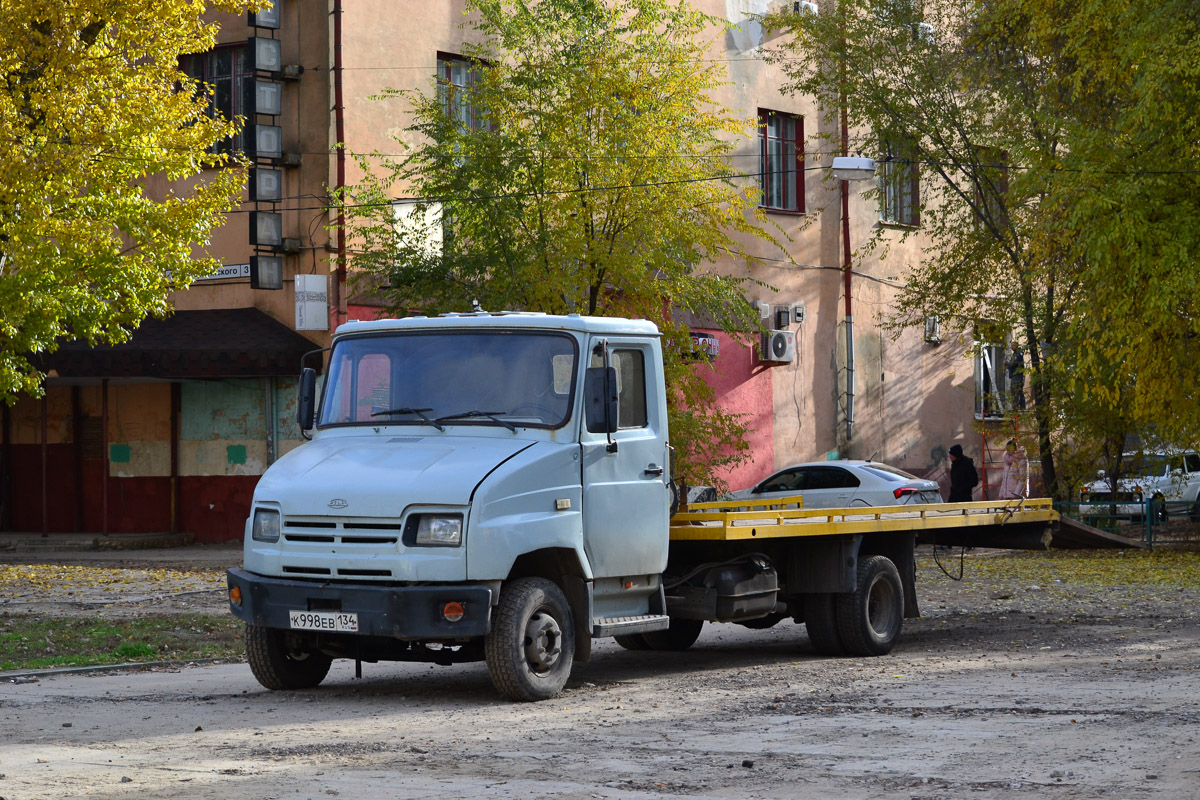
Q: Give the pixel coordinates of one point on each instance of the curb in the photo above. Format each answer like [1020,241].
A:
[30,676]
[58,543]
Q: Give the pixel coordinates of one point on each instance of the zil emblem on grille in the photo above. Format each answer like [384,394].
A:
[338,503]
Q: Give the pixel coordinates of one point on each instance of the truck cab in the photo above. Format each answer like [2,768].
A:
[477,486]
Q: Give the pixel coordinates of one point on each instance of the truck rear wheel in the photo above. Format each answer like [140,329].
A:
[869,618]
[682,634]
[632,641]
[276,665]
[762,623]
[531,647]
[820,620]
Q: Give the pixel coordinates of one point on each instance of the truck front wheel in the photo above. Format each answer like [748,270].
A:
[531,647]
[276,665]
[869,618]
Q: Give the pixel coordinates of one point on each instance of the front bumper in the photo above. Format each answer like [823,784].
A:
[398,612]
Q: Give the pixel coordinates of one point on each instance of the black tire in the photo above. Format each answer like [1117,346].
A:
[632,641]
[1158,508]
[820,620]
[869,619]
[762,623]
[277,666]
[680,636]
[531,646]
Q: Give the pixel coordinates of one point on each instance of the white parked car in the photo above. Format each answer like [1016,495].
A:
[1162,476]
[845,483]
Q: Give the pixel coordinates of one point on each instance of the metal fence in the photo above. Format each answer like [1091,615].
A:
[1151,521]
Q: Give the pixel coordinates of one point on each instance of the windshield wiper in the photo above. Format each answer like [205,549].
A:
[420,412]
[489,414]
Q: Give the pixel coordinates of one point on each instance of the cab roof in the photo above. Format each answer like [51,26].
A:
[481,320]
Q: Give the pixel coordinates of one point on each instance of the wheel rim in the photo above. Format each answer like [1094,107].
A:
[881,604]
[543,641]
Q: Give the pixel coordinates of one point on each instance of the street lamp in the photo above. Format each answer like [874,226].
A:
[846,169]
[853,168]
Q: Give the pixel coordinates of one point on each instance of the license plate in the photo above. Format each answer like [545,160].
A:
[335,621]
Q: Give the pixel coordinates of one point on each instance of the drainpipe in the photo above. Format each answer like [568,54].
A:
[45,458]
[846,279]
[104,451]
[339,116]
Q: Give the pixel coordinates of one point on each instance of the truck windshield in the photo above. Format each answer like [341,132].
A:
[499,378]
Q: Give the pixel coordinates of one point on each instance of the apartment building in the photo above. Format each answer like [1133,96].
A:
[171,430]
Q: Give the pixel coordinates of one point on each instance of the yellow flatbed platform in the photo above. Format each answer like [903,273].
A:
[1016,524]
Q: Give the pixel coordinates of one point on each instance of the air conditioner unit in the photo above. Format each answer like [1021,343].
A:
[805,7]
[778,347]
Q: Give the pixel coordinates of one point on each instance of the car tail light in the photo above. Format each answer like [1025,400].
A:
[898,493]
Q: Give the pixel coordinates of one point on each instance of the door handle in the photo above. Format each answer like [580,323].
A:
[653,470]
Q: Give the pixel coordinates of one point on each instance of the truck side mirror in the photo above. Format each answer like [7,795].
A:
[600,399]
[306,398]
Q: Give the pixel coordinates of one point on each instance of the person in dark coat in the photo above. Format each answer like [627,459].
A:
[963,476]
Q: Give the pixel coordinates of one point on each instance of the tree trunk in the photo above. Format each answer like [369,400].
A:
[1042,412]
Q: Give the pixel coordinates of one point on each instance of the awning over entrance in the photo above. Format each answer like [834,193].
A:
[214,343]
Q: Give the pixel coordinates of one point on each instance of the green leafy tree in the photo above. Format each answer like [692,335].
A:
[581,167]
[1005,110]
[92,104]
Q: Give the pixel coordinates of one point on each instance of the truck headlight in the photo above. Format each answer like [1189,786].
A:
[266,525]
[439,531]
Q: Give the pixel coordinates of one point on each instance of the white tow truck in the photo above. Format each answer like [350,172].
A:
[497,487]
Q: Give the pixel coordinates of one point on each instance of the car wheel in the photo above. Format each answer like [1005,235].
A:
[820,620]
[531,646]
[632,641]
[682,634]
[870,617]
[276,664]
[762,623]
[1158,509]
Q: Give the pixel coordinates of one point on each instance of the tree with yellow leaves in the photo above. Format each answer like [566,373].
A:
[576,163]
[92,103]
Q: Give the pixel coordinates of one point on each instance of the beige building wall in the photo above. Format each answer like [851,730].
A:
[913,399]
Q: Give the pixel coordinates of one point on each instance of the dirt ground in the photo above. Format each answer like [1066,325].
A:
[1007,687]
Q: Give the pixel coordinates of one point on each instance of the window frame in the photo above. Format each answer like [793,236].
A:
[899,181]
[630,364]
[452,92]
[991,381]
[200,67]
[767,170]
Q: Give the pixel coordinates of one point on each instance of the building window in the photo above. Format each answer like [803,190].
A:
[899,187]
[991,386]
[781,160]
[455,78]
[226,74]
[991,190]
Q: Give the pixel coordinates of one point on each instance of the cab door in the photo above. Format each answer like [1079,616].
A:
[626,503]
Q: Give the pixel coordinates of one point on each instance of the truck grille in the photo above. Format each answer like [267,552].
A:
[341,531]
